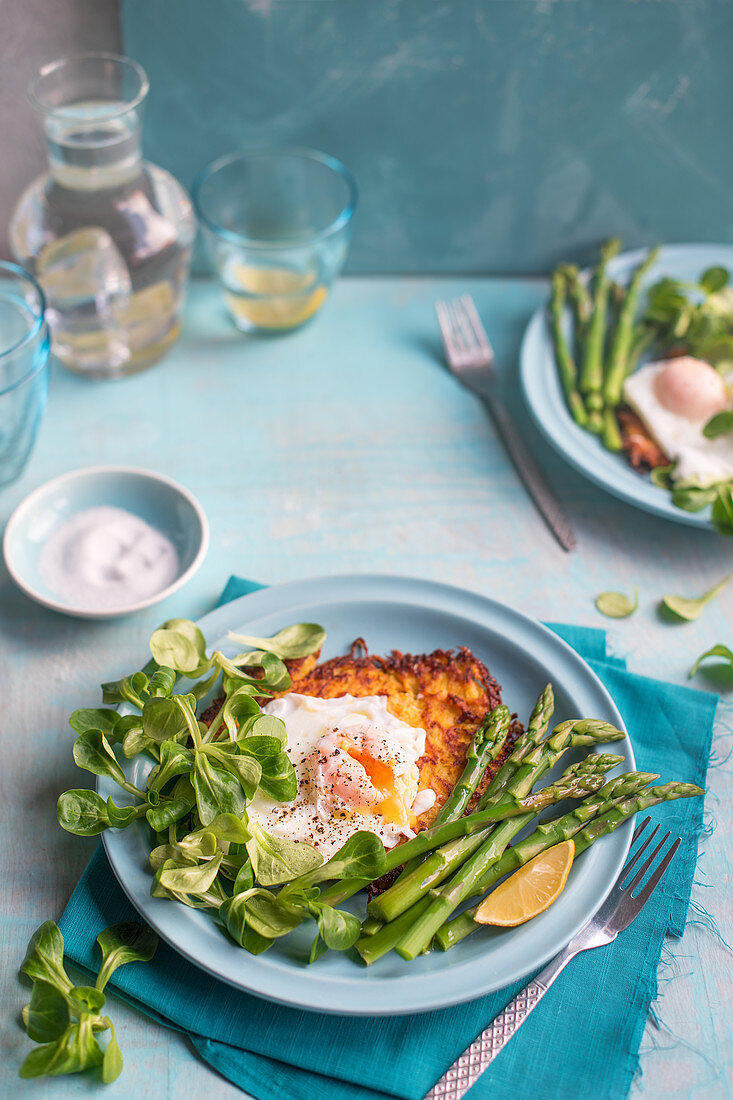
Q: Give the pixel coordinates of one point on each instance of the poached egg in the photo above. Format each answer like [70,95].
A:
[356,766]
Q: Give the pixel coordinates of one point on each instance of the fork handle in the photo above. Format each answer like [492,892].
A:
[545,500]
[468,1067]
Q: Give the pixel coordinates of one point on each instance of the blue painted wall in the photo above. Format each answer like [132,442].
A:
[486,135]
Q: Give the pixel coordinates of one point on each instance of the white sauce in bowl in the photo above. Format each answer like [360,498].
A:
[104,558]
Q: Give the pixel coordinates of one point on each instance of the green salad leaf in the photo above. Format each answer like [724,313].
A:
[338,928]
[180,645]
[615,605]
[175,760]
[693,498]
[65,1019]
[720,424]
[689,608]
[47,1016]
[174,649]
[217,790]
[722,511]
[190,880]
[362,856]
[85,998]
[93,753]
[240,709]
[162,682]
[278,779]
[721,651]
[276,859]
[44,958]
[112,1061]
[714,279]
[660,476]
[696,315]
[74,1051]
[162,720]
[174,809]
[266,915]
[130,689]
[123,943]
[120,817]
[241,765]
[100,719]
[82,812]
[293,642]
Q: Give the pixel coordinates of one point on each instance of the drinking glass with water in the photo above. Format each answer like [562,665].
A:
[24,348]
[276,224]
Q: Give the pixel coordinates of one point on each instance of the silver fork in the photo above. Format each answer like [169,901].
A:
[471,359]
[616,914]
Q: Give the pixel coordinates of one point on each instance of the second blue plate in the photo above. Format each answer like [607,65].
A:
[543,392]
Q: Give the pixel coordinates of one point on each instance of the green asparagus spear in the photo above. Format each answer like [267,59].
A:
[460,927]
[623,337]
[539,721]
[486,745]
[419,878]
[585,731]
[591,373]
[581,304]
[565,362]
[563,828]
[577,781]
[465,881]
[536,729]
[372,947]
[611,434]
[446,860]
[574,783]
[450,859]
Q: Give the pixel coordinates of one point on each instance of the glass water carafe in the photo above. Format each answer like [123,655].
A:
[107,234]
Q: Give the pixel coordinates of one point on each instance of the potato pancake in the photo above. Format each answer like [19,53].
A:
[447,693]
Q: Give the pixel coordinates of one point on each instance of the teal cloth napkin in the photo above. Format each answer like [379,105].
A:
[584,1039]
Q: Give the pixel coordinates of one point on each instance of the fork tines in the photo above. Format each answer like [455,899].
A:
[629,903]
[463,334]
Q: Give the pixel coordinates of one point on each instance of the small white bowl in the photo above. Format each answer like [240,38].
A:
[156,499]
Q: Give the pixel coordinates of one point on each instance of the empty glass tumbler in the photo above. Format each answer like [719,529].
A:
[24,348]
[107,235]
[276,224]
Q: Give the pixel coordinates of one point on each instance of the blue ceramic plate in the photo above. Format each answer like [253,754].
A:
[546,401]
[413,616]
[158,500]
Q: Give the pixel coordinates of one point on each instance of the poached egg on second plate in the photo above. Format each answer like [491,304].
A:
[675,398]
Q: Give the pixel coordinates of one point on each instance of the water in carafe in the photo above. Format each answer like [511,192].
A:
[109,238]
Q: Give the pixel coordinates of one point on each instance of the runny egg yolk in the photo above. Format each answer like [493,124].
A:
[396,799]
[357,767]
[366,773]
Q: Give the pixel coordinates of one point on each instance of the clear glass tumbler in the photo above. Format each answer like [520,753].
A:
[276,224]
[24,347]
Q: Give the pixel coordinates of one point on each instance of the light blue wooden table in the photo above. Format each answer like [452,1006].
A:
[343,447]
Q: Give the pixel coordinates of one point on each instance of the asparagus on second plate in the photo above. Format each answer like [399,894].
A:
[591,374]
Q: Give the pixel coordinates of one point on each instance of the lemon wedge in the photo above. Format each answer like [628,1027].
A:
[530,890]
[283,298]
